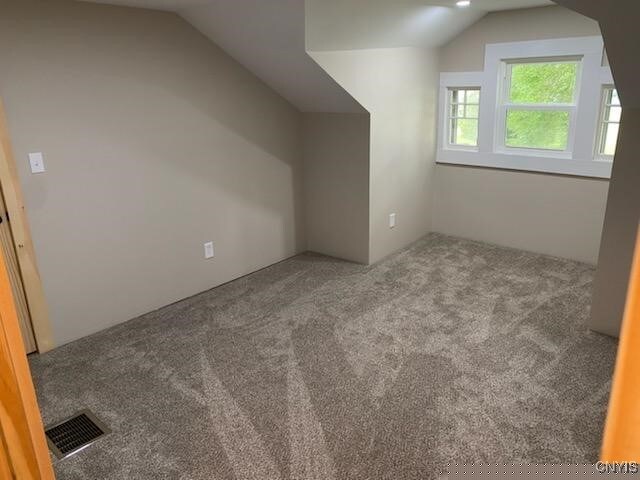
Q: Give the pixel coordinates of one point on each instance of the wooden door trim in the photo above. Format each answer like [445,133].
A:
[22,237]
[22,440]
[621,442]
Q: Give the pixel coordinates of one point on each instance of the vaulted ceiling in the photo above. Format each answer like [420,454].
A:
[270,38]
[355,24]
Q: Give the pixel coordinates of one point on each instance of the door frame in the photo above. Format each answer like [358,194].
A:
[23,447]
[621,441]
[25,252]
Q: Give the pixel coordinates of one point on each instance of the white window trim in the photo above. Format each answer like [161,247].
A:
[448,82]
[600,132]
[501,114]
[580,158]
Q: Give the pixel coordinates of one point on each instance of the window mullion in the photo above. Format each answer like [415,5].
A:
[540,106]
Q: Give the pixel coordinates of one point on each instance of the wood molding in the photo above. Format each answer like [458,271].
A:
[5,467]
[23,448]
[13,269]
[22,237]
[622,430]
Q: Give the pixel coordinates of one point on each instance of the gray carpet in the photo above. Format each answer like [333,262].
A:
[316,368]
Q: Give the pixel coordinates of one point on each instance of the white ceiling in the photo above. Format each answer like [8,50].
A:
[171,5]
[361,24]
[495,5]
[268,36]
[355,24]
[176,5]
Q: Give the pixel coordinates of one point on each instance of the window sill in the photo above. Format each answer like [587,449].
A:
[527,163]
[461,148]
[534,153]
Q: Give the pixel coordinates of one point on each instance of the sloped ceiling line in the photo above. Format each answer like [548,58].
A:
[268,37]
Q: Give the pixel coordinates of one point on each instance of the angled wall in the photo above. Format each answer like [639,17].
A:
[268,38]
[336,184]
[155,141]
[619,24]
[398,87]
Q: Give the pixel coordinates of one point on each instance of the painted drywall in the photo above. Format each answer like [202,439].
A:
[398,86]
[356,24]
[521,210]
[560,216]
[620,228]
[155,141]
[465,53]
[268,37]
[336,184]
[619,24]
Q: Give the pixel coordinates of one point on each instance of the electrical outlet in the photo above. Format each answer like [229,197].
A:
[392,220]
[208,250]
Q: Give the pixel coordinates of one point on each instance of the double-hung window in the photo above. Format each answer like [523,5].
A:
[462,122]
[542,106]
[537,106]
[611,112]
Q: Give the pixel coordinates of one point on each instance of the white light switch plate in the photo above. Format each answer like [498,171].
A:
[208,250]
[392,220]
[36,160]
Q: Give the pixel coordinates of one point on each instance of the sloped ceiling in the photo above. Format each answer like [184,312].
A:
[486,5]
[355,24]
[268,36]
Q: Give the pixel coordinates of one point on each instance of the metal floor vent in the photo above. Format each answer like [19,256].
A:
[72,435]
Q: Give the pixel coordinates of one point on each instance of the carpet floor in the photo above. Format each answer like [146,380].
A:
[315,368]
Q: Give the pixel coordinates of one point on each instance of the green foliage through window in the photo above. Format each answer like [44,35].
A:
[546,130]
[463,116]
[545,87]
[544,82]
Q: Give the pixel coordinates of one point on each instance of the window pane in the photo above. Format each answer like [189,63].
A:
[615,100]
[610,138]
[472,111]
[464,132]
[547,130]
[463,116]
[457,110]
[473,96]
[543,82]
[613,114]
[609,122]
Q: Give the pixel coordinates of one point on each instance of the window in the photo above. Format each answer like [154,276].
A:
[464,104]
[547,106]
[538,104]
[609,123]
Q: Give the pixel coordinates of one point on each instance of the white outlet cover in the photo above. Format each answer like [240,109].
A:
[208,250]
[36,160]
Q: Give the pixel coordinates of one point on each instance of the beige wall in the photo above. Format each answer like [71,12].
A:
[155,142]
[560,216]
[620,31]
[551,214]
[336,184]
[466,52]
[620,229]
[398,86]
